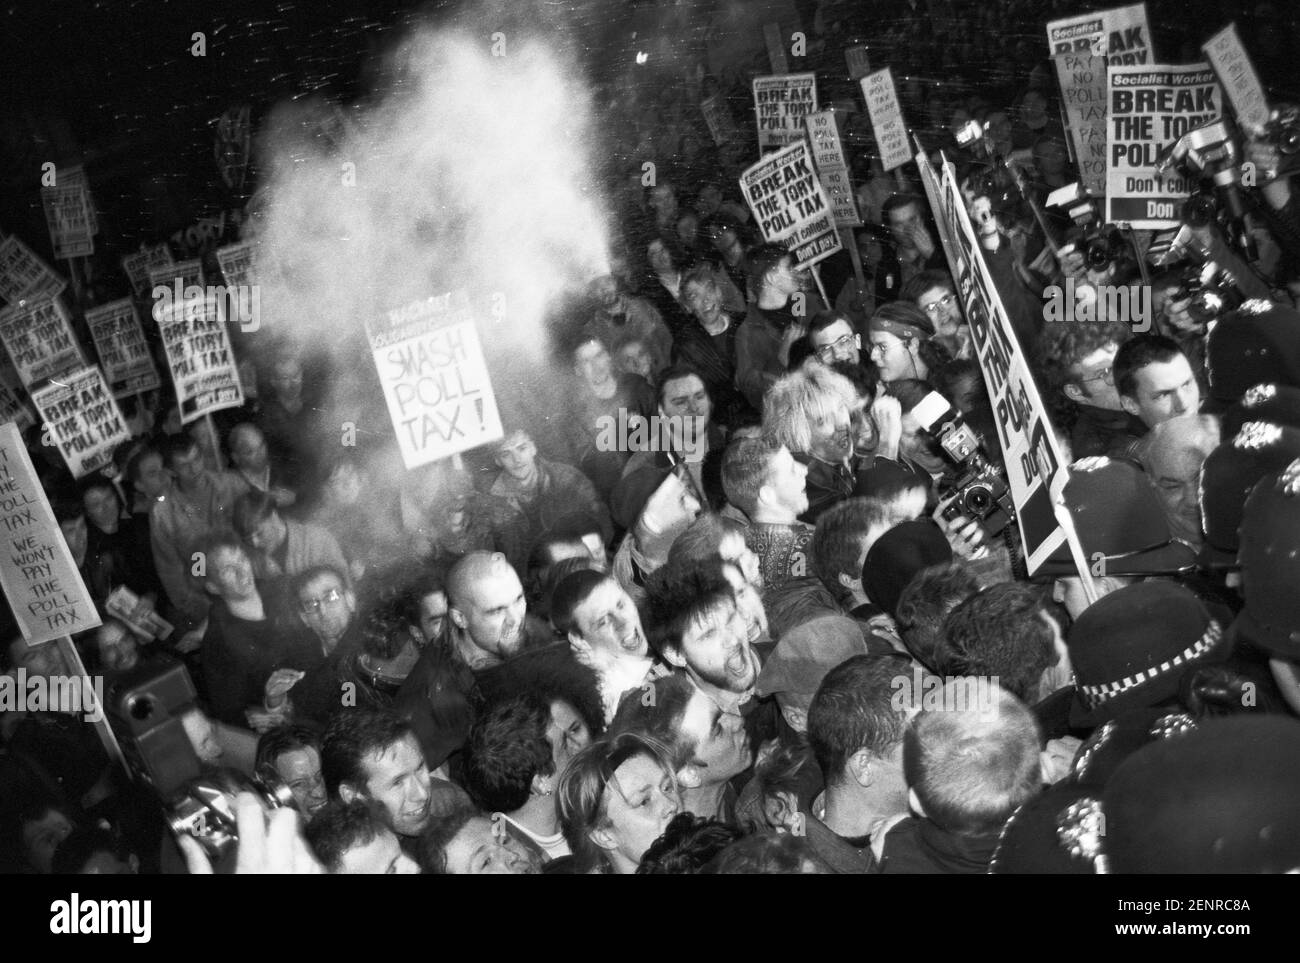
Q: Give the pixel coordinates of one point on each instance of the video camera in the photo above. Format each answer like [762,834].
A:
[145,709]
[980,492]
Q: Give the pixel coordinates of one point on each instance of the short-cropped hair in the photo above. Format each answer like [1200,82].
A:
[702,540]
[971,767]
[855,708]
[746,467]
[341,827]
[839,538]
[282,739]
[1138,352]
[768,854]
[925,603]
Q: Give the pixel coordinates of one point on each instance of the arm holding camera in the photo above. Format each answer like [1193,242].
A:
[269,842]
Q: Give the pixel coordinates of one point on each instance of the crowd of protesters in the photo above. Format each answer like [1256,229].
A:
[758,645]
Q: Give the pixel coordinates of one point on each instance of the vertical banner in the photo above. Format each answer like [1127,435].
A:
[722,126]
[780,105]
[1237,75]
[1036,469]
[122,349]
[70,216]
[40,579]
[24,275]
[435,378]
[82,415]
[790,206]
[886,118]
[139,265]
[1083,98]
[1120,35]
[856,60]
[775,48]
[201,363]
[13,407]
[1149,108]
[832,170]
[38,336]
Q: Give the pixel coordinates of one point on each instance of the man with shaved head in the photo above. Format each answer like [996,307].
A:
[252,460]
[1172,454]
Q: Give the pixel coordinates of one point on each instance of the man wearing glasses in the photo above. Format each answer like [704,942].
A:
[1076,361]
[934,293]
[833,339]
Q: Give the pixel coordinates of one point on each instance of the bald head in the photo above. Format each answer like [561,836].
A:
[1172,455]
[486,602]
[248,446]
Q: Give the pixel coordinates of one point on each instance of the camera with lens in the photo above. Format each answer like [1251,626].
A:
[1209,158]
[147,709]
[1101,243]
[1282,131]
[980,492]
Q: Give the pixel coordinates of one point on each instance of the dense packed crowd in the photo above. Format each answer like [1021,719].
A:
[761,638]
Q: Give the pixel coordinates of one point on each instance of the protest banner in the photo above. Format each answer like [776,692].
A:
[832,170]
[122,349]
[1149,108]
[722,126]
[70,215]
[1237,75]
[789,204]
[775,48]
[236,261]
[202,366]
[1120,35]
[38,336]
[83,419]
[189,273]
[1083,99]
[886,118]
[24,275]
[139,265]
[40,578]
[856,59]
[13,406]
[780,105]
[1036,469]
[75,176]
[435,378]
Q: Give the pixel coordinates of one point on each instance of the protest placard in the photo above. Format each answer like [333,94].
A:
[199,358]
[139,265]
[24,275]
[83,419]
[40,578]
[236,262]
[1083,97]
[75,176]
[70,215]
[780,105]
[1035,467]
[189,273]
[886,118]
[856,59]
[38,336]
[832,170]
[775,48]
[435,378]
[789,204]
[1148,108]
[722,126]
[122,349]
[1237,75]
[1121,35]
[13,406]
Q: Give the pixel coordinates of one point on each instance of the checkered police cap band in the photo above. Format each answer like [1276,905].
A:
[1095,695]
